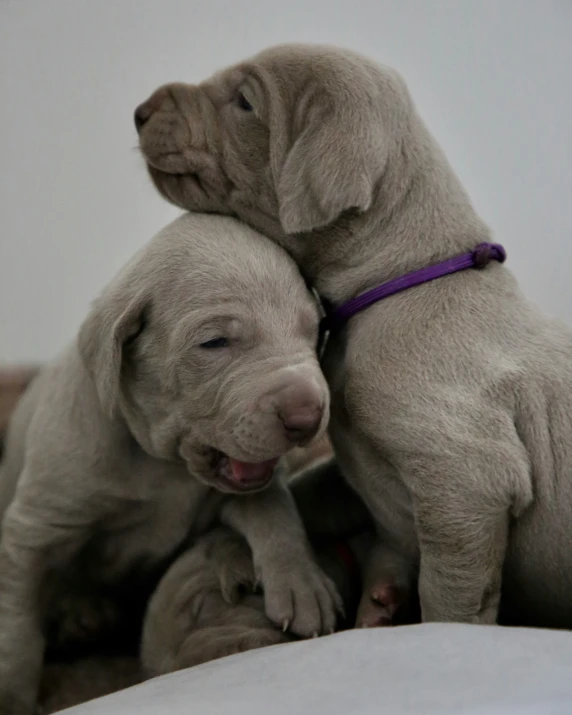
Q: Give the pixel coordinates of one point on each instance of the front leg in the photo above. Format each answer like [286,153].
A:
[462,550]
[36,541]
[459,457]
[298,594]
[463,500]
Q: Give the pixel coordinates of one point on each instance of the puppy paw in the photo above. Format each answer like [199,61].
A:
[299,597]
[378,606]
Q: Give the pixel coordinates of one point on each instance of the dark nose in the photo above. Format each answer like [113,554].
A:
[145,111]
[301,425]
[142,115]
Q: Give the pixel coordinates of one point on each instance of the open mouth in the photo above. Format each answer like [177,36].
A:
[243,476]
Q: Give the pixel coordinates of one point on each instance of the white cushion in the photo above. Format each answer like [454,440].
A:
[432,669]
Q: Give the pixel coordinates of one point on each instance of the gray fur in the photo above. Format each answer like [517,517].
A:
[451,402]
[111,451]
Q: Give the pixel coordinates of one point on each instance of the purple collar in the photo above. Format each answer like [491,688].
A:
[483,254]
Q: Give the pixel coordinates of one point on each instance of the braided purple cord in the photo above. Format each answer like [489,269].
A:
[480,257]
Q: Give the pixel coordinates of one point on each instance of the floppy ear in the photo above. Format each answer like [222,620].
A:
[101,340]
[333,166]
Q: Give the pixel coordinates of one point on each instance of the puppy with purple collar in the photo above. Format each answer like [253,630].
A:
[452,399]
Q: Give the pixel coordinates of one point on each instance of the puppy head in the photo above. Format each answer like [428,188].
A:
[206,346]
[289,140]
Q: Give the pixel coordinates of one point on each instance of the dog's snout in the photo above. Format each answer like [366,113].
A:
[145,111]
[302,424]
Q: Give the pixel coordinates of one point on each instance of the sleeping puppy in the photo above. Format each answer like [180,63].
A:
[207,606]
[451,401]
[195,370]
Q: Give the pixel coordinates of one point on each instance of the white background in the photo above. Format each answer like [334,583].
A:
[493,79]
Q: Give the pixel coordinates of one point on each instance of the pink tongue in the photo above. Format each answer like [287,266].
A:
[244,473]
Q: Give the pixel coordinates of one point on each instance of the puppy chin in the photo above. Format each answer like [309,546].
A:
[181,190]
[170,163]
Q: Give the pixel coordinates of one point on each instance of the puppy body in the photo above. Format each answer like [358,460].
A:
[451,402]
[143,433]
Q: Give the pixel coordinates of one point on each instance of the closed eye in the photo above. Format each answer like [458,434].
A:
[215,343]
[137,330]
[243,103]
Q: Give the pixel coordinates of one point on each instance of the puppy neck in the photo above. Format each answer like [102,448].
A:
[420,215]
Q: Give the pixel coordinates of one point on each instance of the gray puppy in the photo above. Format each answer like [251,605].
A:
[452,401]
[194,371]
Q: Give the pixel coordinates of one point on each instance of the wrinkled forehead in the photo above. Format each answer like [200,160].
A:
[245,283]
[276,319]
[272,68]
[290,71]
